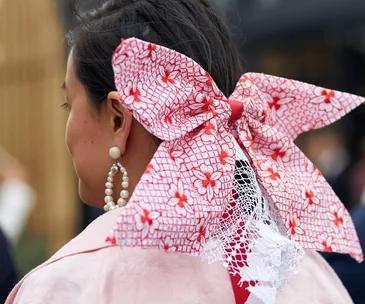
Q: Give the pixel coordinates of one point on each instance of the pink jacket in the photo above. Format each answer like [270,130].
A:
[87,271]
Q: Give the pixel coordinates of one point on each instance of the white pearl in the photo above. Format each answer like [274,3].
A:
[110,205]
[122,169]
[125,184]
[109,185]
[122,202]
[114,153]
[108,199]
[106,208]
[111,174]
[124,194]
[110,179]
[108,192]
[126,178]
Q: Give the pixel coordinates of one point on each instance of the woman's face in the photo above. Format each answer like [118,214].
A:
[89,137]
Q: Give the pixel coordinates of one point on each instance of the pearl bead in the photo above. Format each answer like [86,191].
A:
[124,194]
[108,199]
[108,192]
[110,174]
[126,178]
[122,202]
[122,169]
[110,179]
[110,205]
[114,169]
[109,185]
[114,153]
[106,208]
[125,184]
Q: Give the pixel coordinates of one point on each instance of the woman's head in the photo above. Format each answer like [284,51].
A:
[97,121]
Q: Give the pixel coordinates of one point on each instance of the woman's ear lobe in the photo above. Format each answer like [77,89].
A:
[122,120]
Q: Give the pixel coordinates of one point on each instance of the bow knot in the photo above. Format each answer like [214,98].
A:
[236,109]
[247,100]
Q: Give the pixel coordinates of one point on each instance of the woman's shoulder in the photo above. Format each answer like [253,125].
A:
[64,280]
[78,259]
[135,275]
[87,270]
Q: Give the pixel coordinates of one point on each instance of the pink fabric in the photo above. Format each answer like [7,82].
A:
[87,271]
[183,195]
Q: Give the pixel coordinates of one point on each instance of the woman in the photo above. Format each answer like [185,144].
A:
[207,175]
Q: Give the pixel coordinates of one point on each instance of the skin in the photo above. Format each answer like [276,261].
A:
[91,132]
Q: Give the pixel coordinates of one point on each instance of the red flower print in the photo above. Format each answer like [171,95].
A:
[151,173]
[278,103]
[119,57]
[175,153]
[207,84]
[247,139]
[278,152]
[311,201]
[274,175]
[135,94]
[149,169]
[169,116]
[146,219]
[168,245]
[326,99]
[111,240]
[271,175]
[245,81]
[149,53]
[209,132]
[336,216]
[201,235]
[226,156]
[167,77]
[180,199]
[293,225]
[168,119]
[176,156]
[207,181]
[203,104]
[209,81]
[324,243]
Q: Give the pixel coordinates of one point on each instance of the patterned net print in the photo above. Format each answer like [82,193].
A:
[228,183]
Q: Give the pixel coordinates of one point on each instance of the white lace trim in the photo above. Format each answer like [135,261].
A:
[251,241]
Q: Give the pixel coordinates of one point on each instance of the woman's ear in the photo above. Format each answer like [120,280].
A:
[120,120]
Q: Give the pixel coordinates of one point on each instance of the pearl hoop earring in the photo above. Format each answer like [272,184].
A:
[115,154]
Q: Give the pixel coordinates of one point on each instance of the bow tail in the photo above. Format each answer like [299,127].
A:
[309,209]
[296,107]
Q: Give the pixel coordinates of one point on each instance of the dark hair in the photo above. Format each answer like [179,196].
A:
[191,27]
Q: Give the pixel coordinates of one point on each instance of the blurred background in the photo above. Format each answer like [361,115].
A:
[316,41]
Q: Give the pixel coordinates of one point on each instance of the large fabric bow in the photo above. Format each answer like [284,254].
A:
[185,190]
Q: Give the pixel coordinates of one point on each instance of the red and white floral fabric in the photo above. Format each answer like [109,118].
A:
[184,199]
